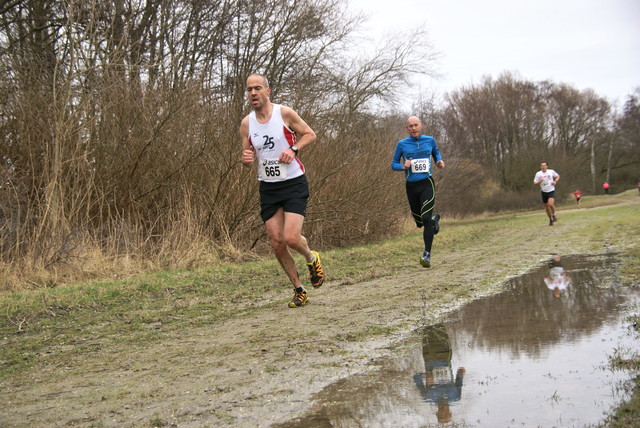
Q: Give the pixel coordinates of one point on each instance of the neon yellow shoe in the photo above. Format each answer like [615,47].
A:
[299,299]
[315,271]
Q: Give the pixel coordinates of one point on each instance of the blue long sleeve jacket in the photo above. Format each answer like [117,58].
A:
[424,147]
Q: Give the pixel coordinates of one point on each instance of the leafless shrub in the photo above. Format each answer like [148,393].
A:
[119,122]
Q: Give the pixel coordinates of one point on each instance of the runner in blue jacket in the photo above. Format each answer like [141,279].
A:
[414,156]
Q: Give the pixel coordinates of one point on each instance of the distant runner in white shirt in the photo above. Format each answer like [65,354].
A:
[547,179]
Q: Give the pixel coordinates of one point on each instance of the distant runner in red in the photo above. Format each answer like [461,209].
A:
[578,195]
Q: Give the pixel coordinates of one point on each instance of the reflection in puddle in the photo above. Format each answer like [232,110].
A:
[437,384]
[534,355]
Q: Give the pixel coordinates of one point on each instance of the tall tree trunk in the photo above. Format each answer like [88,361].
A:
[593,165]
[609,158]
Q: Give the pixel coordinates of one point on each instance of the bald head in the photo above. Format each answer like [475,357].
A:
[414,126]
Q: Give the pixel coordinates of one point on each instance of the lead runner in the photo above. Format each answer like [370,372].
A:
[269,133]
[413,155]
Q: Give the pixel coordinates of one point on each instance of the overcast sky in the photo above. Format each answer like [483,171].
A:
[585,43]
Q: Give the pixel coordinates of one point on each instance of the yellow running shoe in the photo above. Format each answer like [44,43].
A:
[299,299]
[315,271]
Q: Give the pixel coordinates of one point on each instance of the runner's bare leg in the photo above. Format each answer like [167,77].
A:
[284,231]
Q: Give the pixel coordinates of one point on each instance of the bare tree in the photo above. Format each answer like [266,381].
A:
[120,122]
[510,125]
[625,156]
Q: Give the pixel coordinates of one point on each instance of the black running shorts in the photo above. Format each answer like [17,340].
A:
[290,194]
[547,195]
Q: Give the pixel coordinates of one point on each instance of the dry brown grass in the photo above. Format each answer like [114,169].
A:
[172,193]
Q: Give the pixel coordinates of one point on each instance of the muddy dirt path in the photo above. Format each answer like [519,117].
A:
[263,365]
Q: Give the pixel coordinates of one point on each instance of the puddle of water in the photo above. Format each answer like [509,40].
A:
[534,355]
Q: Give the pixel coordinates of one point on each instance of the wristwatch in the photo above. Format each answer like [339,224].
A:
[295,150]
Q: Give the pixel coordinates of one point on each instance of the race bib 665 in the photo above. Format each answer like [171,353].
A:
[272,169]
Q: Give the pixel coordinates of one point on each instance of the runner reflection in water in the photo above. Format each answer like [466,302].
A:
[557,280]
[437,384]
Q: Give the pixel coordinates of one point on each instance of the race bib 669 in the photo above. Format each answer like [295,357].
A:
[420,165]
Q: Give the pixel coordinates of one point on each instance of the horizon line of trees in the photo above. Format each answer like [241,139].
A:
[120,147]
[510,125]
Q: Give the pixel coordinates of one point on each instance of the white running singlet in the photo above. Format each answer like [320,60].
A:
[547,178]
[269,140]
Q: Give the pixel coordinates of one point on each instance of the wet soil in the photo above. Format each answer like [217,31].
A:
[537,354]
[263,365]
